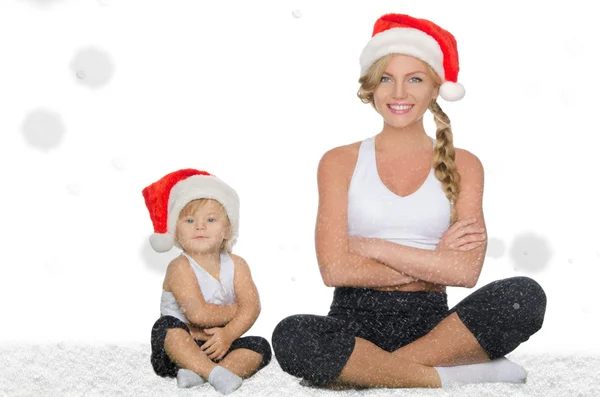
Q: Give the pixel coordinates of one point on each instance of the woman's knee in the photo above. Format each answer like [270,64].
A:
[286,331]
[527,287]
[529,299]
[531,285]
[312,347]
[535,294]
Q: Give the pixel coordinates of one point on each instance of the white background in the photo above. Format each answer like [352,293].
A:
[256,93]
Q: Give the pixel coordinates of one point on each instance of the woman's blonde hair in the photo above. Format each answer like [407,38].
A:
[444,154]
[191,207]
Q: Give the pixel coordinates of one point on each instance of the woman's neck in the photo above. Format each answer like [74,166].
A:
[404,140]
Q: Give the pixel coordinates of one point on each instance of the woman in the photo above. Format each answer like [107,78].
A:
[400,218]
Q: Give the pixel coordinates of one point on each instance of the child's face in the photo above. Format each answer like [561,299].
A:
[204,230]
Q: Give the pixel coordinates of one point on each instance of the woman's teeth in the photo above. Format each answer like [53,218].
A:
[401,107]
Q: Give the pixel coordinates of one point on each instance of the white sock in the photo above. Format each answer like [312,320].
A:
[498,370]
[187,378]
[223,380]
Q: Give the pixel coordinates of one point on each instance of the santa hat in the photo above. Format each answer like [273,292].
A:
[403,34]
[166,198]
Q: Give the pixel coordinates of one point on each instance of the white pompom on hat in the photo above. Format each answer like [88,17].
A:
[166,198]
[423,39]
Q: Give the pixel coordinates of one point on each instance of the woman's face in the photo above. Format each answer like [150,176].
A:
[404,91]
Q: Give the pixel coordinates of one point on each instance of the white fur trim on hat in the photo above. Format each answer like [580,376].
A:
[204,186]
[407,41]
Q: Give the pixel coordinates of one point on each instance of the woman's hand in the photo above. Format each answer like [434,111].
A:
[362,246]
[462,236]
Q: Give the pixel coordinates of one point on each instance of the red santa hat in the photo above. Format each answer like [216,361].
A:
[403,34]
[166,198]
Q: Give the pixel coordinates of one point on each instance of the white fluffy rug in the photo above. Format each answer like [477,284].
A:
[84,370]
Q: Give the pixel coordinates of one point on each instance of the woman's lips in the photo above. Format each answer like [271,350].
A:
[400,109]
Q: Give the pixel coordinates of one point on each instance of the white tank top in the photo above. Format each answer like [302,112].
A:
[213,291]
[417,220]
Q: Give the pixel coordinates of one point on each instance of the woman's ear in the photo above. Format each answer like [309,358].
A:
[436,92]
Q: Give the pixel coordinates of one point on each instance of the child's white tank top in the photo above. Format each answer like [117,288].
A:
[213,291]
[417,220]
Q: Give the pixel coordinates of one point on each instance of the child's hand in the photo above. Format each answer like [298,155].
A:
[198,333]
[217,346]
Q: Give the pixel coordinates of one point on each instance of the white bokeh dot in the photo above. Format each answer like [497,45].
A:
[297,13]
[93,67]
[105,3]
[75,188]
[54,265]
[586,309]
[516,306]
[530,252]
[574,46]
[43,129]
[119,163]
[44,3]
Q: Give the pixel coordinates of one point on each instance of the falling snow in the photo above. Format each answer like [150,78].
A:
[67,369]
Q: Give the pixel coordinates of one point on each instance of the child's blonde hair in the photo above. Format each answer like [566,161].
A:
[443,155]
[193,206]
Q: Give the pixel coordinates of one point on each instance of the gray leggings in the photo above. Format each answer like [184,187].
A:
[501,315]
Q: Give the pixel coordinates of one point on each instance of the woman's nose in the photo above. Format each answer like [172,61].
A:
[399,90]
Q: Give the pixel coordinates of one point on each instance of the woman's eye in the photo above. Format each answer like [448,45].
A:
[384,77]
[416,79]
[189,220]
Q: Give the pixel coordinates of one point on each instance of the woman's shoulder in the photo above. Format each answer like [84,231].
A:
[467,161]
[466,157]
[340,159]
[337,165]
[342,152]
